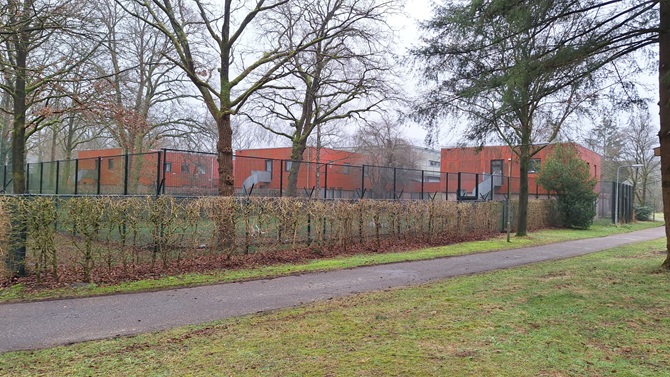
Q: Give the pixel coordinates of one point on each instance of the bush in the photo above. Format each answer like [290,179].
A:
[567,175]
[105,239]
[643,213]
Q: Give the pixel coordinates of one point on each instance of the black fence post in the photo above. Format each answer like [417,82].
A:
[41,176]
[613,202]
[99,175]
[325,181]
[458,190]
[395,187]
[281,177]
[629,204]
[164,167]
[76,173]
[125,174]
[57,175]
[362,181]
[477,186]
[422,179]
[492,185]
[446,186]
[158,174]
[28,178]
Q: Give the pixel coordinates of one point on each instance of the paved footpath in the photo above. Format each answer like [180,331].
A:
[50,323]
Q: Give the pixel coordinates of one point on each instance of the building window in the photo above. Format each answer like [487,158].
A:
[200,169]
[167,167]
[288,165]
[268,165]
[497,167]
[534,165]
[346,168]
[184,167]
[110,164]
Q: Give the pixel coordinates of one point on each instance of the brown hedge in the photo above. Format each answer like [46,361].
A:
[83,238]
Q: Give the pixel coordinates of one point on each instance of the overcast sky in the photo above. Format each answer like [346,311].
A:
[408,33]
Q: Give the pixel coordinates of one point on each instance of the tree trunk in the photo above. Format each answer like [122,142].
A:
[522,212]
[224,151]
[664,114]
[16,257]
[297,153]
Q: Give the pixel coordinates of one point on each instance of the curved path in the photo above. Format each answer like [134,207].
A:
[50,323]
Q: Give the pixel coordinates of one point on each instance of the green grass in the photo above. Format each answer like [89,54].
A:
[605,314]
[543,237]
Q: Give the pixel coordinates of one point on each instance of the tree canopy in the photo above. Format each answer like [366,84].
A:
[517,70]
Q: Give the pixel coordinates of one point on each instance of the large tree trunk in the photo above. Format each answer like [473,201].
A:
[522,212]
[16,257]
[224,156]
[224,151]
[664,114]
[297,153]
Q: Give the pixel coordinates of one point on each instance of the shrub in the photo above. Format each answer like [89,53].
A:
[567,175]
[102,239]
[643,213]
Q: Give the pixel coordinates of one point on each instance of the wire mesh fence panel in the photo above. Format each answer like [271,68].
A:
[188,173]
[87,179]
[403,183]
[432,187]
[143,174]
[33,172]
[65,177]
[467,186]
[49,176]
[380,182]
[258,176]
[450,184]
[344,181]
[300,179]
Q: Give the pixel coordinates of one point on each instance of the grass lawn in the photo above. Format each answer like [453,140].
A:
[605,314]
[601,228]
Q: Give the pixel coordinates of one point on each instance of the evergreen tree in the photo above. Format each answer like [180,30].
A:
[512,76]
[566,175]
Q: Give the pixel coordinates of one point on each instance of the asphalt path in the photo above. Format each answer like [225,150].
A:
[43,324]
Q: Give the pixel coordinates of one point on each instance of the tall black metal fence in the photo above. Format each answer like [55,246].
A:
[187,173]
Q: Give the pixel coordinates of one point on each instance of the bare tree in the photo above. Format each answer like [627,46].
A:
[144,95]
[641,138]
[394,158]
[383,143]
[606,139]
[224,86]
[41,45]
[336,78]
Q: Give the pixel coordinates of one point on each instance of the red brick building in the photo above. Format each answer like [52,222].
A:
[471,173]
[268,169]
[176,172]
[492,161]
